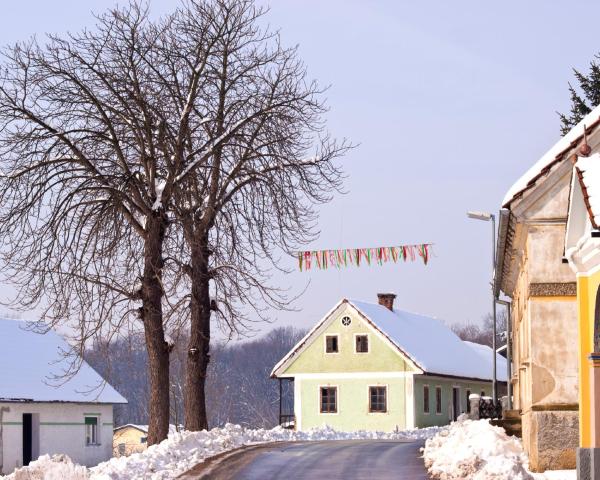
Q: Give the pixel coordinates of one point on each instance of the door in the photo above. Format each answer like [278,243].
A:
[455,402]
[27,438]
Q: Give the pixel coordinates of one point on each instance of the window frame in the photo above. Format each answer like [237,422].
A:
[428,411]
[438,411]
[337,399]
[330,335]
[385,397]
[94,434]
[356,335]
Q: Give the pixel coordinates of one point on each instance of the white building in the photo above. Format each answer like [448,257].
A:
[42,415]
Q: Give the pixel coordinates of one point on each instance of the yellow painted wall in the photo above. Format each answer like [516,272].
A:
[587,286]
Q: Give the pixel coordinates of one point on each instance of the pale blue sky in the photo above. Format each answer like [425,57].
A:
[450,101]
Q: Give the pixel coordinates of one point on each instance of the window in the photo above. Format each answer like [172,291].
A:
[468,401]
[426,399]
[483,393]
[362,344]
[91,431]
[328,399]
[377,399]
[143,439]
[331,344]
[438,400]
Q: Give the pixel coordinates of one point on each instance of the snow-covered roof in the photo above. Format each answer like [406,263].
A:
[566,142]
[426,341]
[434,347]
[29,361]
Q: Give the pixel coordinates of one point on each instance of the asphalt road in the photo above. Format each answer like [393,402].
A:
[347,460]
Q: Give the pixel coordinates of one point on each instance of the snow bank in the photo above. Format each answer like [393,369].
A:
[182,450]
[477,450]
[55,467]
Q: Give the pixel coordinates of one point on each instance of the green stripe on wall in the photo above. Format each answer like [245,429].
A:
[108,424]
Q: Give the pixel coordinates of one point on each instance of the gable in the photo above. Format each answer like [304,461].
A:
[549,199]
[309,356]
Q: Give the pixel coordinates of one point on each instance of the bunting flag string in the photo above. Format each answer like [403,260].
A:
[324,259]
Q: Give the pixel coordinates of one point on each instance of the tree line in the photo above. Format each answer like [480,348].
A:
[238,384]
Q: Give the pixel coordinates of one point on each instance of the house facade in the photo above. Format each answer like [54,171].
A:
[533,271]
[368,366]
[582,251]
[132,438]
[41,414]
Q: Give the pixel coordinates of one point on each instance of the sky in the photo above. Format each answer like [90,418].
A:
[450,102]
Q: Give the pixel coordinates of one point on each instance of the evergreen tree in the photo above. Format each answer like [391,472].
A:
[583,98]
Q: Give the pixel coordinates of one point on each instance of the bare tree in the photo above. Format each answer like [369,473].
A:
[84,140]
[483,333]
[254,193]
[141,154]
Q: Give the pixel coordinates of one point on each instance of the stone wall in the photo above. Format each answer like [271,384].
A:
[551,439]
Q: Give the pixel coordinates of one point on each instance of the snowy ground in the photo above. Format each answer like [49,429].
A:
[477,450]
[183,450]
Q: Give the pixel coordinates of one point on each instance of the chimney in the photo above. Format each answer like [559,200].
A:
[387,300]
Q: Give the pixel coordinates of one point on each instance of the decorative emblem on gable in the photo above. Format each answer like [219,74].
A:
[346,321]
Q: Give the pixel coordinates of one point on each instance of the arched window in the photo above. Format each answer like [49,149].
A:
[597,323]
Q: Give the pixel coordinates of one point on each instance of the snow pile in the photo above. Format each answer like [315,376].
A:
[183,450]
[477,450]
[55,467]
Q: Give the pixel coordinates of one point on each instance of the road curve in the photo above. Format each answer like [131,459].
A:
[344,459]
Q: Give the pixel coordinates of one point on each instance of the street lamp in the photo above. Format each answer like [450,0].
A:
[486,217]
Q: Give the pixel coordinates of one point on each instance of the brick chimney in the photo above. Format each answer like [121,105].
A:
[387,300]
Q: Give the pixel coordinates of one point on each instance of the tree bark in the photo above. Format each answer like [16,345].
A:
[152,315]
[199,345]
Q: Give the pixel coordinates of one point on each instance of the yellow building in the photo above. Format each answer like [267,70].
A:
[128,439]
[582,251]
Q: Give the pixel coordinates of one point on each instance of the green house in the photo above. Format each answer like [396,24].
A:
[368,366]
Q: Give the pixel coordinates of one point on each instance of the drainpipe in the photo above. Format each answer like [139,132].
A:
[508,351]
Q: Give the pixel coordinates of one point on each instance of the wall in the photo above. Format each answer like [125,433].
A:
[353,403]
[61,430]
[432,418]
[587,287]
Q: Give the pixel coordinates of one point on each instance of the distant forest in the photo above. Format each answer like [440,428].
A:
[239,389]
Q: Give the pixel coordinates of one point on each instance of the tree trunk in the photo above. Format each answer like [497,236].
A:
[199,345]
[158,349]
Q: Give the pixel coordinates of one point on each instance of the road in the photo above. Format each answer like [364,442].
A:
[347,460]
